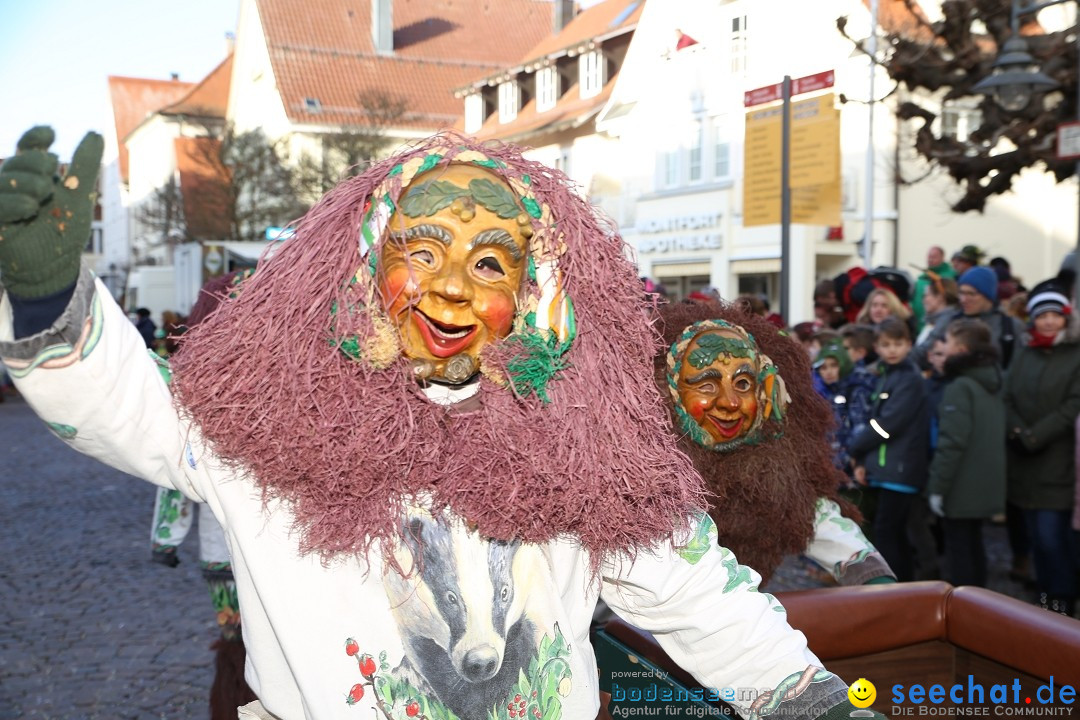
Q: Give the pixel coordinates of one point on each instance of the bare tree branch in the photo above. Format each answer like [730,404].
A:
[941,62]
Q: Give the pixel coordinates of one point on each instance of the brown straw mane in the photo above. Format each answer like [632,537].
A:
[764,495]
[349,446]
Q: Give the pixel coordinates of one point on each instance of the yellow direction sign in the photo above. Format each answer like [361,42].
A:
[815,164]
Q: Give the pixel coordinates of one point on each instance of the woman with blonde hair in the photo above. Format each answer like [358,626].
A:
[882,304]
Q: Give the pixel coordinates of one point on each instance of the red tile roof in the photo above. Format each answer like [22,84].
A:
[322,49]
[204,187]
[595,22]
[210,98]
[135,98]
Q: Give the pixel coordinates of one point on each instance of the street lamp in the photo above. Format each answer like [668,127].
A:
[1015,77]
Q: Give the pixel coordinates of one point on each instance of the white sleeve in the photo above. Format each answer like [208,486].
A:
[91,380]
[840,547]
[706,612]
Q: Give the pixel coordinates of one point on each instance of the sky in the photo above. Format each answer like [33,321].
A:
[56,56]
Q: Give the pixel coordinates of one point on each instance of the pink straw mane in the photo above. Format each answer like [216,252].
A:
[350,447]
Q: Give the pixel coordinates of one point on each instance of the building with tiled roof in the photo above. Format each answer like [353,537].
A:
[305,69]
[131,100]
[559,83]
[164,182]
[548,99]
[175,135]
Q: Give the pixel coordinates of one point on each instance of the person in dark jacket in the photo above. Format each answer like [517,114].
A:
[967,474]
[859,386]
[832,368]
[892,451]
[145,326]
[978,299]
[1042,401]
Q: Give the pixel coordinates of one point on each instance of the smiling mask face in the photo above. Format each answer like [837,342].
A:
[718,385]
[451,269]
[723,387]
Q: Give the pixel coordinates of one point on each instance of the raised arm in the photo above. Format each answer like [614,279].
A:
[69,349]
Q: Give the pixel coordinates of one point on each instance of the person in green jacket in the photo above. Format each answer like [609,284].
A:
[1042,401]
[967,474]
[935,263]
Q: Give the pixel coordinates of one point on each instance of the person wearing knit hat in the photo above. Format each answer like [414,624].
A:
[984,281]
[1048,296]
[1042,402]
[833,350]
[831,370]
[978,295]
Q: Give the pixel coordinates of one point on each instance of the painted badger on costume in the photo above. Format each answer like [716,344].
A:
[461,614]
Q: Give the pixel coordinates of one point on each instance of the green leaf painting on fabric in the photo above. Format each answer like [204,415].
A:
[66,432]
[737,574]
[703,539]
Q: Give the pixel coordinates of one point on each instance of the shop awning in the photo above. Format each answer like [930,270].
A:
[757,266]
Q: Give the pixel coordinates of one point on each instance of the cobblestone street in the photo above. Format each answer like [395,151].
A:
[91,628]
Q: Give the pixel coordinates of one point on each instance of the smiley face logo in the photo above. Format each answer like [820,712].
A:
[862,693]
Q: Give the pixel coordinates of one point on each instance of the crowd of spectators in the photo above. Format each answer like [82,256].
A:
[956,397]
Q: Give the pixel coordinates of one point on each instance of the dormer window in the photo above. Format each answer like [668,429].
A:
[509,100]
[591,73]
[547,88]
[475,112]
[312,105]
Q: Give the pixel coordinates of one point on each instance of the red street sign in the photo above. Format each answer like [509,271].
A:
[810,83]
[769,93]
[762,95]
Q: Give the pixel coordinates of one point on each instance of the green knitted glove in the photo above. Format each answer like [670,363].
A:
[45,219]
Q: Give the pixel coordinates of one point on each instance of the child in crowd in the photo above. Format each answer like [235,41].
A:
[821,338]
[831,370]
[892,450]
[859,342]
[967,474]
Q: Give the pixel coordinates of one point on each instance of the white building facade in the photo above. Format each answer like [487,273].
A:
[678,110]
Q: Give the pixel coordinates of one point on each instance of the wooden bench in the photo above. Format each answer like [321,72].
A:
[926,633]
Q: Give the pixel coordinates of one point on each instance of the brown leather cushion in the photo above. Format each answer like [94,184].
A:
[1016,634]
[847,622]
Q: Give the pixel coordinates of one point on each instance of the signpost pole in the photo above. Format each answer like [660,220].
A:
[785,201]
[868,223]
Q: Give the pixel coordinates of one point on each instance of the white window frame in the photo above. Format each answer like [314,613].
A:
[547,88]
[670,168]
[474,112]
[695,153]
[739,46]
[721,155]
[591,70]
[509,101]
